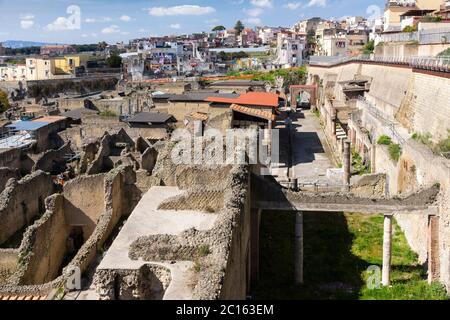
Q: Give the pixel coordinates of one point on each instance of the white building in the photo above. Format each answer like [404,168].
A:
[290,48]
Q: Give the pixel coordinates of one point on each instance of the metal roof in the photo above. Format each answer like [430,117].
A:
[27,125]
[201,96]
[76,114]
[150,117]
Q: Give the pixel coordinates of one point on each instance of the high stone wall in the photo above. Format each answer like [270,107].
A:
[22,201]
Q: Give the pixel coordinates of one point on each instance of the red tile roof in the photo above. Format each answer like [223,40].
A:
[253,112]
[265,99]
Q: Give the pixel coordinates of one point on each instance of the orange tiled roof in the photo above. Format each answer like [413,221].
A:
[265,99]
[253,112]
[199,116]
[21,297]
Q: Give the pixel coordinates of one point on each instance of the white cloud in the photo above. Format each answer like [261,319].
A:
[262,3]
[72,22]
[253,21]
[191,10]
[318,3]
[111,29]
[254,12]
[125,18]
[175,26]
[293,5]
[26,21]
[98,20]
[26,24]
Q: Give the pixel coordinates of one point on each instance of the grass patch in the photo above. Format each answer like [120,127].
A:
[384,140]
[204,250]
[107,114]
[338,250]
[395,151]
[359,168]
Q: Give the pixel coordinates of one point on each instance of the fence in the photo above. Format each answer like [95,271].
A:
[383,119]
[441,64]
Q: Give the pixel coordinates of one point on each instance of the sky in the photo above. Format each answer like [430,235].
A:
[92,21]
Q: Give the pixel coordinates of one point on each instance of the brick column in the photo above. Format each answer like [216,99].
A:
[387,248]
[298,248]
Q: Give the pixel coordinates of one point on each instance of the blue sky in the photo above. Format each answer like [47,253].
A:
[91,21]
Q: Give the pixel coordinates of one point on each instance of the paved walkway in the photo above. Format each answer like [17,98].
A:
[311,155]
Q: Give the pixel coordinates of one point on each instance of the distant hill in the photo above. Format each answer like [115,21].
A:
[17,44]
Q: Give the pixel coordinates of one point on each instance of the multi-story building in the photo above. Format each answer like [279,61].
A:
[2,50]
[307,26]
[247,37]
[57,50]
[356,40]
[290,49]
[331,42]
[13,73]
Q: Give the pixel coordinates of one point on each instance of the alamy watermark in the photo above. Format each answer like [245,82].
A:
[236,147]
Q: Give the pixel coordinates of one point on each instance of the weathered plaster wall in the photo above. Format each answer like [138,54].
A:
[6,174]
[85,202]
[47,240]
[22,201]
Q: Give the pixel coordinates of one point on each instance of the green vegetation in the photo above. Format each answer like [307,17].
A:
[239,27]
[410,28]
[114,61]
[441,148]
[204,250]
[395,151]
[197,266]
[107,113]
[339,248]
[369,47]
[316,113]
[444,53]
[431,18]
[384,140]
[218,28]
[359,168]
[291,76]
[227,56]
[4,102]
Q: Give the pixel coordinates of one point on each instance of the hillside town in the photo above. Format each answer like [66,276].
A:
[302,162]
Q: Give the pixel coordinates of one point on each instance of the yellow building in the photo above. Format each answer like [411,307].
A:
[66,64]
[394,9]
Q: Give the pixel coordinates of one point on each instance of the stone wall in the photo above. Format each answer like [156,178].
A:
[53,161]
[8,264]
[418,100]
[44,246]
[22,201]
[84,202]
[10,158]
[6,174]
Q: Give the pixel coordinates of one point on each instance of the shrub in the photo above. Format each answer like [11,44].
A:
[395,151]
[384,140]
[423,138]
[204,250]
[107,113]
[443,146]
[4,102]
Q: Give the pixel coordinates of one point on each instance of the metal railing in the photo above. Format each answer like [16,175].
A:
[441,64]
[383,119]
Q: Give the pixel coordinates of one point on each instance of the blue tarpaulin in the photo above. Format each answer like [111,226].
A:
[27,125]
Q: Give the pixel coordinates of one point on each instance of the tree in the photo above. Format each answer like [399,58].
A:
[239,27]
[4,102]
[114,61]
[369,47]
[218,28]
[102,46]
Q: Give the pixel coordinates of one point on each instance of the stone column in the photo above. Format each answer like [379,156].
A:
[298,248]
[387,247]
[347,165]
[433,249]
[255,221]
[373,153]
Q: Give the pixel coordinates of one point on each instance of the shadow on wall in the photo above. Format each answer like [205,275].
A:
[331,270]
